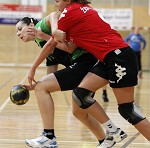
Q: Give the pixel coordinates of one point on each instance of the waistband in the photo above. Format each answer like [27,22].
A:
[115,52]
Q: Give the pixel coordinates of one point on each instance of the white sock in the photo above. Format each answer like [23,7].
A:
[110,126]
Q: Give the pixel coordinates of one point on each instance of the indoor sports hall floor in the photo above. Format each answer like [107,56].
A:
[20,122]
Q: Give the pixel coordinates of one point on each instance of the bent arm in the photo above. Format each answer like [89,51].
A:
[38,33]
[42,35]
[144,41]
[60,35]
[127,39]
[46,50]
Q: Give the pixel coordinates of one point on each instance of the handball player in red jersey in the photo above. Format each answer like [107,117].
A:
[82,25]
[77,65]
[89,30]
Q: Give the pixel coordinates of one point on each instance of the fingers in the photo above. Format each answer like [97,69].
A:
[31,31]
[34,81]
[29,87]
[26,86]
[30,80]
[59,36]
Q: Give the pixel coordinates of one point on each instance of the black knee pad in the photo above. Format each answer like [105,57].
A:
[83,97]
[130,112]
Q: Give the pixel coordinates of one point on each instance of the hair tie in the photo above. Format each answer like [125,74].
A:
[31,20]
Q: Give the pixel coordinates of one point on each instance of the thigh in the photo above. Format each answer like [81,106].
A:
[122,68]
[49,83]
[124,95]
[70,77]
[96,78]
[93,82]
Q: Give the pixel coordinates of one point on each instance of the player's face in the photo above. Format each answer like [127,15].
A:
[61,4]
[136,30]
[21,31]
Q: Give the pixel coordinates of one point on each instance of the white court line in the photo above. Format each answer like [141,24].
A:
[64,141]
[67,141]
[8,99]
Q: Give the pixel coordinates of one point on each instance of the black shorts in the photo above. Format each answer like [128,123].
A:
[100,69]
[120,68]
[70,77]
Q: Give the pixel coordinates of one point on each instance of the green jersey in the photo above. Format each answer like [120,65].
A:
[58,56]
[41,25]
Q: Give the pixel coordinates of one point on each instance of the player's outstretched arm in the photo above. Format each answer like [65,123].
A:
[46,50]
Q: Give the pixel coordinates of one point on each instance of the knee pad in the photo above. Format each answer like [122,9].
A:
[83,97]
[130,112]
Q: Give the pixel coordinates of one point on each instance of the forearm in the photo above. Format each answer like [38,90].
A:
[46,50]
[38,34]
[53,17]
[42,35]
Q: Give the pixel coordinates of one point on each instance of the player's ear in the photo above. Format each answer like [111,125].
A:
[31,24]
[69,1]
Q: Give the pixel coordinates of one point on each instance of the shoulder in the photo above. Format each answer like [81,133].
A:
[46,20]
[53,14]
[40,22]
[130,34]
[142,35]
[70,11]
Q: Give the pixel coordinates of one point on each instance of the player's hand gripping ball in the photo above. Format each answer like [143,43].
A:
[19,95]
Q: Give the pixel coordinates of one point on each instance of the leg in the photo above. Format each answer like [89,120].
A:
[91,83]
[123,72]
[50,84]
[47,85]
[104,94]
[142,126]
[46,106]
[46,103]
[138,55]
[74,75]
[90,122]
[140,65]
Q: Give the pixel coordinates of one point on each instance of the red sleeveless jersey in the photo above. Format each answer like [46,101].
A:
[87,29]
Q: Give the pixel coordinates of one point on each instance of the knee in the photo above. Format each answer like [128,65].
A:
[39,87]
[130,112]
[42,84]
[83,97]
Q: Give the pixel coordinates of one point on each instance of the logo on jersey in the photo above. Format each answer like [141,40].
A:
[109,126]
[63,13]
[39,28]
[72,65]
[120,72]
[85,9]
